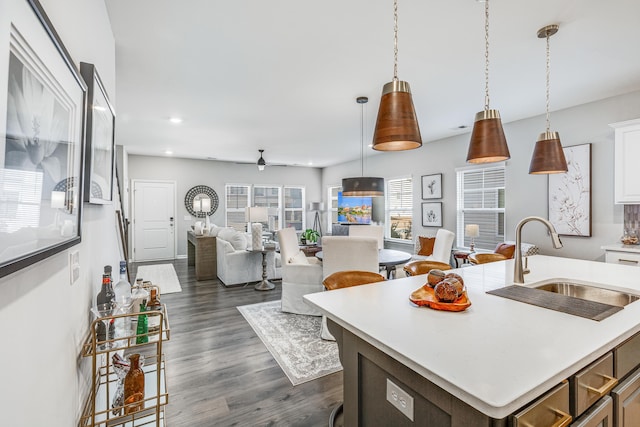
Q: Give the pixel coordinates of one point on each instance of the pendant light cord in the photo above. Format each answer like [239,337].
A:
[486,55]
[395,40]
[362,140]
[548,79]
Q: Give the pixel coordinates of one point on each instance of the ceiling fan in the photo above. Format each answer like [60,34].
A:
[261,163]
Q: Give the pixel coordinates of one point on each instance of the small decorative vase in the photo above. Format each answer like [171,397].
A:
[630,237]
[134,386]
[256,236]
[198,229]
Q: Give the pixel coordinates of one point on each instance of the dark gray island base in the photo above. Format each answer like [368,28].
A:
[366,370]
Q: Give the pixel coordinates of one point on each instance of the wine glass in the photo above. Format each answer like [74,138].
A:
[105,330]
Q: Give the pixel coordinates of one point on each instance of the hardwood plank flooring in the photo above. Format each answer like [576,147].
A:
[219,373]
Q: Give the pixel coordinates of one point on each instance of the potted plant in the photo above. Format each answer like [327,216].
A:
[309,236]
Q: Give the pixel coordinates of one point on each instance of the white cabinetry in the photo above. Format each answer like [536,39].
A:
[627,157]
[621,254]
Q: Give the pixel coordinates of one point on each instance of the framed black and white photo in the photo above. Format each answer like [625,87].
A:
[432,214]
[432,186]
[42,115]
[99,139]
[570,193]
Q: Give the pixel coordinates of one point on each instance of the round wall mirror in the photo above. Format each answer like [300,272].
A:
[201,201]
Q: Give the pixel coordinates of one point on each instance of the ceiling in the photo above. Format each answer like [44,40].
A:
[284,75]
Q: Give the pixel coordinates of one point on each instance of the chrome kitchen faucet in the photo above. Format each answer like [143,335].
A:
[518,273]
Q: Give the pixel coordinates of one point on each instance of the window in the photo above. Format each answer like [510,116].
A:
[481,196]
[399,208]
[269,197]
[294,213]
[237,200]
[332,196]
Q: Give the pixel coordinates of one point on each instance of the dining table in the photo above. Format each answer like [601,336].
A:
[388,259]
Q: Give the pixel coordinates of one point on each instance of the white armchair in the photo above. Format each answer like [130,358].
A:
[441,247]
[301,275]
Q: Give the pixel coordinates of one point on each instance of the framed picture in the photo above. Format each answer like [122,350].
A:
[42,107]
[432,186]
[432,214]
[99,156]
[570,193]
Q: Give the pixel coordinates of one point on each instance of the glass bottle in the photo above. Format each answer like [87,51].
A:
[153,304]
[122,289]
[134,386]
[106,295]
[142,327]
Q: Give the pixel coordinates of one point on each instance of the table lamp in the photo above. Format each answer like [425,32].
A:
[473,231]
[255,216]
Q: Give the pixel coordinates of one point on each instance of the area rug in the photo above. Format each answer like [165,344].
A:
[162,275]
[294,341]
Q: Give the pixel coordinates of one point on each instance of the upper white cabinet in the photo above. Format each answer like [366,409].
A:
[627,161]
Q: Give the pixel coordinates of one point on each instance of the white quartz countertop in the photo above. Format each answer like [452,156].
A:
[499,354]
[622,248]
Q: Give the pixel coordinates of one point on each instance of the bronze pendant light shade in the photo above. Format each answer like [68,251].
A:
[397,124]
[488,143]
[548,155]
[363,185]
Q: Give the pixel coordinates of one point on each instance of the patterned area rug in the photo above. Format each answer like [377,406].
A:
[162,275]
[294,341]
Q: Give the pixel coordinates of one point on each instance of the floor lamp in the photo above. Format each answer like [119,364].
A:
[317,224]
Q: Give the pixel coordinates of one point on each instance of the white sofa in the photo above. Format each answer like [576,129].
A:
[237,265]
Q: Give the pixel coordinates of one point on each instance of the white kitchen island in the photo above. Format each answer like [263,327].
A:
[496,356]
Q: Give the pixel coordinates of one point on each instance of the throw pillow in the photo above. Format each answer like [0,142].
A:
[215,230]
[238,241]
[299,258]
[426,245]
[226,233]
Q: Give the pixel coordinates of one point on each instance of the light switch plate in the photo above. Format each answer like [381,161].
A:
[74,266]
[400,399]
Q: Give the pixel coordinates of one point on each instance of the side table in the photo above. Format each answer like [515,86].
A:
[461,255]
[264,285]
[201,252]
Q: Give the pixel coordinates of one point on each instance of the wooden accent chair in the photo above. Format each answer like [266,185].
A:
[346,279]
[415,268]
[501,252]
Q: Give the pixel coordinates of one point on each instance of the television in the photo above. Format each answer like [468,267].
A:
[354,210]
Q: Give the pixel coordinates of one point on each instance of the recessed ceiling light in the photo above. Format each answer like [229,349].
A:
[175,120]
[168,152]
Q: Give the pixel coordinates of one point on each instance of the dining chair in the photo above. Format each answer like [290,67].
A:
[415,268]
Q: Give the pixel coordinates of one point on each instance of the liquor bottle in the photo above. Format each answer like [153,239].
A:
[106,295]
[153,304]
[139,295]
[142,327]
[134,386]
[101,333]
[122,289]
[107,271]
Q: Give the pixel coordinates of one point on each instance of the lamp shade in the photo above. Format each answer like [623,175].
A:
[316,206]
[256,214]
[363,186]
[472,230]
[397,125]
[57,199]
[488,143]
[548,155]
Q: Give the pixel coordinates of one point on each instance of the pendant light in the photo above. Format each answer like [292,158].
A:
[261,162]
[363,185]
[548,156]
[488,143]
[397,125]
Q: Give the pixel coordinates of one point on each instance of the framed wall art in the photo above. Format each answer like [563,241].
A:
[432,186]
[570,193]
[42,108]
[432,214]
[99,156]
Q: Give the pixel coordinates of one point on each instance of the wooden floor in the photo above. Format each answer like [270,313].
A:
[219,373]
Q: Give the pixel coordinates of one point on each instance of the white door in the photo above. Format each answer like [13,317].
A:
[153,220]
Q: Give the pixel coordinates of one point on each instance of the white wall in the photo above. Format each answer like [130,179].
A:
[526,194]
[43,320]
[189,172]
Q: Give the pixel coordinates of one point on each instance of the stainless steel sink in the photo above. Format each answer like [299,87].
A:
[587,292]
